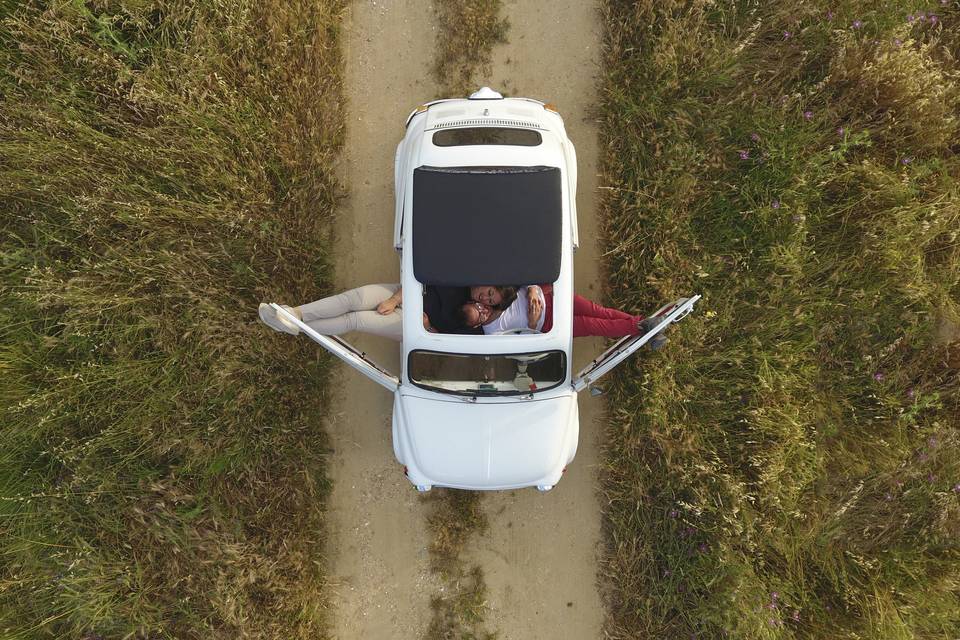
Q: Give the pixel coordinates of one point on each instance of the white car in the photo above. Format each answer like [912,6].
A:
[485,194]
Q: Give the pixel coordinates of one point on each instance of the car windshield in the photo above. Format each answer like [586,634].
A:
[487,374]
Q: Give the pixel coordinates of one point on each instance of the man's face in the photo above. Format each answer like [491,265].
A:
[486,294]
[476,314]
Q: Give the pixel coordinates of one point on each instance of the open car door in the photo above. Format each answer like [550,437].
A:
[624,347]
[345,351]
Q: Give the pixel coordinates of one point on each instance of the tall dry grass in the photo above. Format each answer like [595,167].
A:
[164,166]
[467,32]
[790,465]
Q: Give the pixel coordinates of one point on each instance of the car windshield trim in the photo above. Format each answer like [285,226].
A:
[546,367]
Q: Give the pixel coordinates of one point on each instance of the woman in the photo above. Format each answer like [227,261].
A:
[375,309]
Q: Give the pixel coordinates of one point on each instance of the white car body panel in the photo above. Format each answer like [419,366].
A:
[493,445]
[484,442]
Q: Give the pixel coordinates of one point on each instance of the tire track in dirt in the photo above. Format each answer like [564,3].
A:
[540,556]
[378,558]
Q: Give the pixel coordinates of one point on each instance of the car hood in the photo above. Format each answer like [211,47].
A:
[515,443]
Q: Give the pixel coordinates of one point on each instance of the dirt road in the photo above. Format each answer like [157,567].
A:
[540,554]
[378,553]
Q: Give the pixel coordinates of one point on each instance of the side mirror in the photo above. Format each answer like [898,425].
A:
[596,391]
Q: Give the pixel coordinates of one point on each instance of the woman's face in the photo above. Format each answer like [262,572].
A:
[476,314]
[486,294]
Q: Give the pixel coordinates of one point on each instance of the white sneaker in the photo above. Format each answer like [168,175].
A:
[270,318]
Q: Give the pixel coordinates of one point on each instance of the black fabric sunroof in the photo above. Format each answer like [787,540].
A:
[486,225]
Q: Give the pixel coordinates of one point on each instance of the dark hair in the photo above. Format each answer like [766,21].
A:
[461,315]
[509,294]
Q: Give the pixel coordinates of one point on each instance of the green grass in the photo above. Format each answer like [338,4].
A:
[454,518]
[790,465]
[164,167]
[467,32]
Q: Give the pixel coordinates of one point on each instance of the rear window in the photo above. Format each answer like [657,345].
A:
[488,374]
[487,135]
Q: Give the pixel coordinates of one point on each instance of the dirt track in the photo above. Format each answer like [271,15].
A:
[540,554]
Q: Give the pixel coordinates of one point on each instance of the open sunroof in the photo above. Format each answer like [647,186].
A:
[486,225]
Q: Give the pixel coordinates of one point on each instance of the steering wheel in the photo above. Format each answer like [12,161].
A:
[517,332]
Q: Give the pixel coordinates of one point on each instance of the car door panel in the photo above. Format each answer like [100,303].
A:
[626,346]
[346,352]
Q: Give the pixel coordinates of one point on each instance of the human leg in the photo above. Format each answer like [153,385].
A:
[364,321]
[588,308]
[607,327]
[365,298]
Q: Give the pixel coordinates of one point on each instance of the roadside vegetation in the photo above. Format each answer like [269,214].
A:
[164,167]
[789,466]
[458,613]
[467,32]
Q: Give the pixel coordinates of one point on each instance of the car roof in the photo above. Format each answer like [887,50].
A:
[487,225]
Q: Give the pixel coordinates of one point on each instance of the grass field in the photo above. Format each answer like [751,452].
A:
[789,466]
[467,31]
[164,167]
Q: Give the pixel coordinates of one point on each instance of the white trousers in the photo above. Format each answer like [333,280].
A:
[354,310]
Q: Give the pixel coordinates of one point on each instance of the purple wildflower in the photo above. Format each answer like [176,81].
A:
[933,18]
[944,2]
[786,35]
[888,497]
[911,18]
[956,488]
[775,596]
[829,15]
[772,622]
[772,606]
[840,131]
[931,478]
[922,17]
[808,115]
[932,442]
[796,615]
[703,547]
[775,204]
[744,154]
[906,159]
[755,137]
[673,513]
[857,24]
[879,376]
[911,393]
[897,42]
